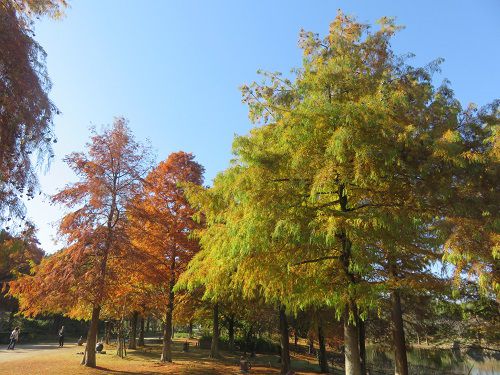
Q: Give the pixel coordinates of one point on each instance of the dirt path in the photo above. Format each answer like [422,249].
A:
[23,351]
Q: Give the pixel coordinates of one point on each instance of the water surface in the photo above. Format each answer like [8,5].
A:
[467,361]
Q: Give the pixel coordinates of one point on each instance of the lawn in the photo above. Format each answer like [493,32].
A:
[145,361]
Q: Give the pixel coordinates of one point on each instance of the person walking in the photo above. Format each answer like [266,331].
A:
[61,337]
[14,336]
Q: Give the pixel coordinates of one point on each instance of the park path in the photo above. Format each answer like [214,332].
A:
[31,350]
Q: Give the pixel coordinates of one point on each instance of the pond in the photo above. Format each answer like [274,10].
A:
[467,361]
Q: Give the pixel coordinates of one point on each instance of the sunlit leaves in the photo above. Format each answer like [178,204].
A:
[88,271]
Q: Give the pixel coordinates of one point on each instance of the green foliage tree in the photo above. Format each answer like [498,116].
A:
[474,226]
[359,145]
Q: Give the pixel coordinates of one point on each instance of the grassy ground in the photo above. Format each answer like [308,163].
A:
[143,361]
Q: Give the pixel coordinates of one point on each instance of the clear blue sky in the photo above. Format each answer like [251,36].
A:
[173,68]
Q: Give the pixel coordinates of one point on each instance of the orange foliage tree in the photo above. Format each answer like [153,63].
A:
[26,110]
[84,277]
[18,254]
[160,224]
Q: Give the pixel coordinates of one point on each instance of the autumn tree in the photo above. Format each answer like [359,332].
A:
[161,224]
[26,129]
[347,154]
[233,265]
[28,9]
[210,271]
[474,241]
[198,279]
[405,265]
[79,280]
[19,253]
[189,308]
[321,325]
[273,202]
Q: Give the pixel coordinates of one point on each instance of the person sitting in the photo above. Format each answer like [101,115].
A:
[99,347]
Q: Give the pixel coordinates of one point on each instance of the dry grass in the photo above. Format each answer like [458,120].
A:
[142,361]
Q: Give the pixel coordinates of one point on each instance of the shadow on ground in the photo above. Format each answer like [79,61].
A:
[261,363]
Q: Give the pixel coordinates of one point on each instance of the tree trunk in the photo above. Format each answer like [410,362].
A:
[121,350]
[132,342]
[166,354]
[362,344]
[310,345]
[398,335]
[10,323]
[214,348]
[351,344]
[295,340]
[285,342]
[323,362]
[89,355]
[107,331]
[57,323]
[351,335]
[248,338]
[154,326]
[148,322]
[190,329]
[231,333]
[141,333]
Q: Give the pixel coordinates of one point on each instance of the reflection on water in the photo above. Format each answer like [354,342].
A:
[472,361]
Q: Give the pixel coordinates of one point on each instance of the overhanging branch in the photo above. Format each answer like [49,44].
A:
[315,260]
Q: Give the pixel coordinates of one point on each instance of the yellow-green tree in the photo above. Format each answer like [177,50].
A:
[357,144]
[473,244]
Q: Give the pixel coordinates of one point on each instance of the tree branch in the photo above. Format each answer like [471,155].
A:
[316,260]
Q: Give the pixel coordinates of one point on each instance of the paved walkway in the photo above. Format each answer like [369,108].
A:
[30,350]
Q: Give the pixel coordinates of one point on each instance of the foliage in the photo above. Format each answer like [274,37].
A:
[26,116]
[161,219]
[37,8]
[160,225]
[360,172]
[360,178]
[83,273]
[19,254]
[474,241]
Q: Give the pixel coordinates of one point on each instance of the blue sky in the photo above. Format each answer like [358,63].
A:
[173,68]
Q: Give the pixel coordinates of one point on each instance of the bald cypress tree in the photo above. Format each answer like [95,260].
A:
[357,145]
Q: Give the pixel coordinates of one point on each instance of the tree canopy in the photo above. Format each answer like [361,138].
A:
[361,180]
[26,118]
